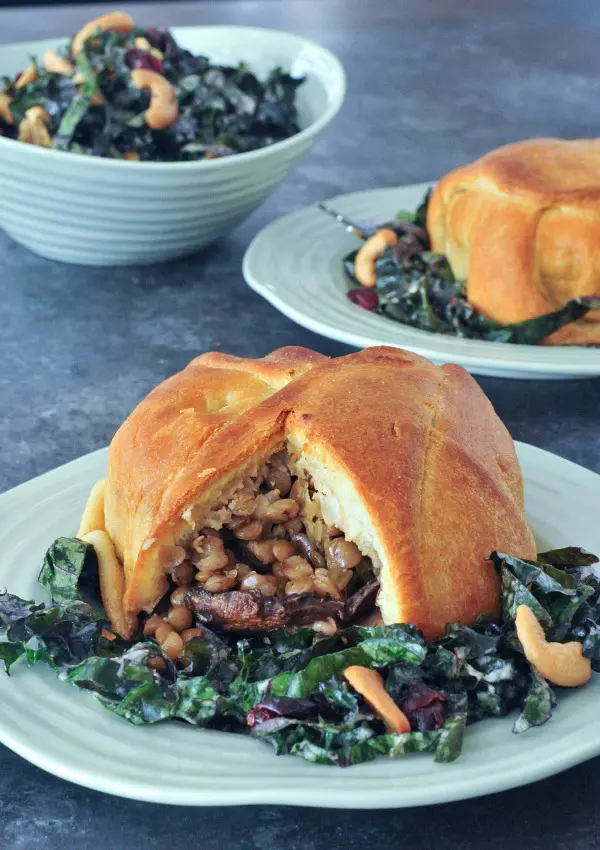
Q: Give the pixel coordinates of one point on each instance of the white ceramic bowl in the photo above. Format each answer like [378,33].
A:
[102,212]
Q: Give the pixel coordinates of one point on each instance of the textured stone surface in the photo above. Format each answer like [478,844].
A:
[431,85]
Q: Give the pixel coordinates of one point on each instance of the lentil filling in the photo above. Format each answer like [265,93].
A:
[253,565]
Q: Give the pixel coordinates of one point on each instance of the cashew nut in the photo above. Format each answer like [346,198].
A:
[112,583]
[26,132]
[33,130]
[369,684]
[29,75]
[117,21]
[37,113]
[364,262]
[92,518]
[163,109]
[560,663]
[55,64]
[5,112]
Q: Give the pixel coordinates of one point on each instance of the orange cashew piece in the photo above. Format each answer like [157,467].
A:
[33,130]
[92,518]
[55,64]
[37,113]
[117,21]
[5,112]
[364,262]
[369,684]
[560,663]
[112,582]
[29,75]
[163,109]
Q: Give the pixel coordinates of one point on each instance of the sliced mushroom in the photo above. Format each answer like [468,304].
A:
[250,611]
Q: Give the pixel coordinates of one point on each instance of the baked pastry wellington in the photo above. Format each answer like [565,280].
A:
[298,489]
[522,226]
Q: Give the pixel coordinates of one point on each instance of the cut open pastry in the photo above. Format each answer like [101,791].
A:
[264,557]
[299,490]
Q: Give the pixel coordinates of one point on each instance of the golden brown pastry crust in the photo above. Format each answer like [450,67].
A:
[177,447]
[522,226]
[422,446]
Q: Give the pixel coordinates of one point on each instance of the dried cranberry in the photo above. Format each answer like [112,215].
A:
[365,298]
[287,706]
[136,58]
[267,709]
[258,715]
[425,708]
[419,696]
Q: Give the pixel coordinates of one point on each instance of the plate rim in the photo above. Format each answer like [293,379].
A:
[419,341]
[457,788]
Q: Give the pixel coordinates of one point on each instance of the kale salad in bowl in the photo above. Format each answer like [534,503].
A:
[125,145]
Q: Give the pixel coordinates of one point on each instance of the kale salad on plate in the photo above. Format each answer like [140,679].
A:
[397,275]
[340,699]
[124,92]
